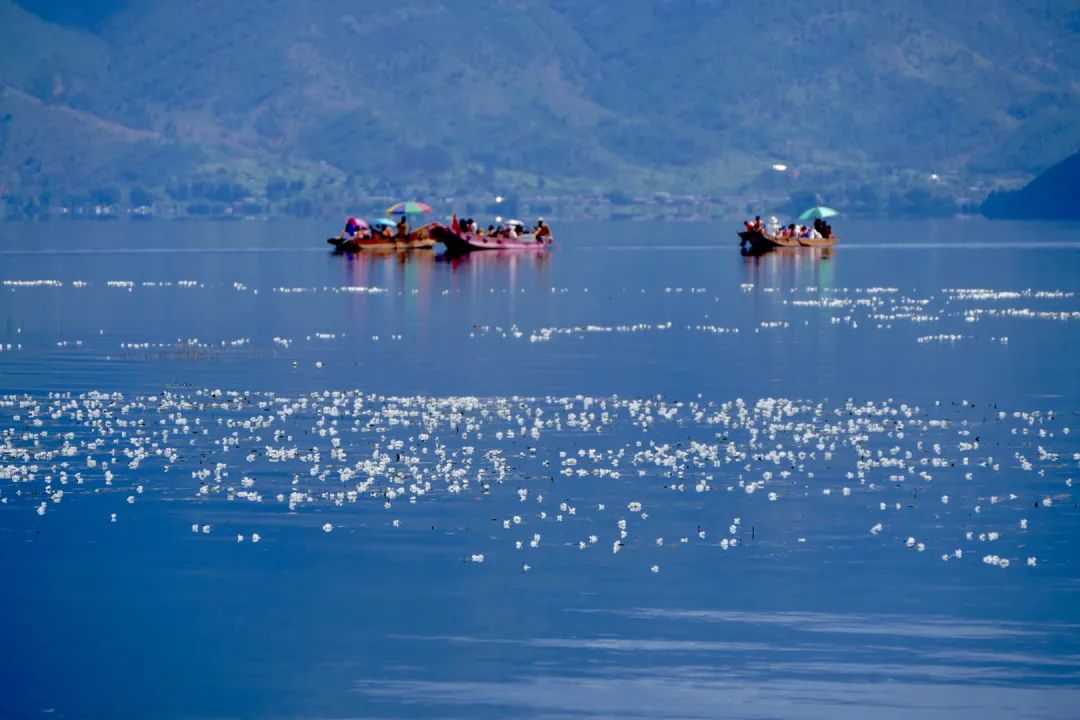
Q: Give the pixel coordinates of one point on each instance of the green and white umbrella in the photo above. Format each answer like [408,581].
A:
[817,212]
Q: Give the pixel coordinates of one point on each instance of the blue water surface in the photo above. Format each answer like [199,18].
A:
[928,378]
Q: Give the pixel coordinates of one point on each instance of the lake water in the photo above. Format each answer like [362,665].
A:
[640,476]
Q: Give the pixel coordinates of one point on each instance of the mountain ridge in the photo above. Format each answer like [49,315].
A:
[541,96]
[1052,195]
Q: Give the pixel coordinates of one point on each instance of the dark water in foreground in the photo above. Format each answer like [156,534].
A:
[643,476]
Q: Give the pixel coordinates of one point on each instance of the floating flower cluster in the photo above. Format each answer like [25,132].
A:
[951,478]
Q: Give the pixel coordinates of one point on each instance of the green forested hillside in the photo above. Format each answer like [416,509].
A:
[202,102]
[1053,195]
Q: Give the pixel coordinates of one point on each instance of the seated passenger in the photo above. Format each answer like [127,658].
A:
[403,229]
[542,230]
[352,227]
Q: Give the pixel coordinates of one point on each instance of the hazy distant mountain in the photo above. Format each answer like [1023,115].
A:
[1053,195]
[205,100]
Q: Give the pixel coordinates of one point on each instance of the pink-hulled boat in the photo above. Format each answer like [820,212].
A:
[460,242]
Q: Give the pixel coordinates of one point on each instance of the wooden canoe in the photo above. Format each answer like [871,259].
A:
[819,242]
[459,242]
[419,239]
[760,242]
[378,244]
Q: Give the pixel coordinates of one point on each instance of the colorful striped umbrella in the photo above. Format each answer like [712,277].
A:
[409,207]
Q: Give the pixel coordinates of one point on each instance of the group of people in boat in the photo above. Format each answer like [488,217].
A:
[512,230]
[820,229]
[356,230]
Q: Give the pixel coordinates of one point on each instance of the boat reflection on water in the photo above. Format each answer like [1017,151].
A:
[425,299]
[514,270]
[790,268]
[800,274]
[497,258]
[415,278]
[401,269]
[408,276]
